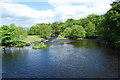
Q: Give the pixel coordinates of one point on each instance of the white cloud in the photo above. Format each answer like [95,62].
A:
[14,12]
[62,9]
[57,3]
[79,8]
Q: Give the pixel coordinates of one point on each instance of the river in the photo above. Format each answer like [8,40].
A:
[62,59]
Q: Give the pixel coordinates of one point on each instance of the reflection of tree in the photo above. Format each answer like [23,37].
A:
[14,53]
[86,44]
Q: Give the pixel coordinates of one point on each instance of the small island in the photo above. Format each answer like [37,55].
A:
[39,46]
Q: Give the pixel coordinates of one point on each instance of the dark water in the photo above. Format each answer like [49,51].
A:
[84,59]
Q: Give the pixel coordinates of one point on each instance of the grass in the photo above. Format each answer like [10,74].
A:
[32,38]
[39,46]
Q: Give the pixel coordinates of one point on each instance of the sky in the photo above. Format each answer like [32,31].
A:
[27,13]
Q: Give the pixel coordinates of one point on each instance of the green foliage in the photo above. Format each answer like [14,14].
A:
[75,32]
[44,31]
[39,46]
[111,25]
[90,30]
[22,34]
[67,32]
[57,28]
[11,33]
[33,30]
[8,34]
[27,44]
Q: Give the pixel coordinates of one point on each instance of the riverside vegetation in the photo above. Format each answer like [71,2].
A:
[105,27]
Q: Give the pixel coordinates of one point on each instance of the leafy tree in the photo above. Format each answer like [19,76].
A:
[90,30]
[33,30]
[21,33]
[67,33]
[44,31]
[8,35]
[77,32]
[111,25]
[54,27]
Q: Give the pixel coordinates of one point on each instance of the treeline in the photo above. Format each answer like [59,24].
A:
[105,26]
[73,29]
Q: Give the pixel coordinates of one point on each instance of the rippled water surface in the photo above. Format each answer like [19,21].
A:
[84,59]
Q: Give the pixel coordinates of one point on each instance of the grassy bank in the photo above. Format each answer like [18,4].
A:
[32,38]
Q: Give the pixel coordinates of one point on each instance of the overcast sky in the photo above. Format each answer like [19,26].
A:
[26,13]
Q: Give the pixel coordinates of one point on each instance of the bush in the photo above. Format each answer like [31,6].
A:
[39,46]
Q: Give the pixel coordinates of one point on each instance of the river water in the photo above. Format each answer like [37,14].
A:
[62,59]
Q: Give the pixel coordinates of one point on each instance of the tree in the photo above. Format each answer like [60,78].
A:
[111,25]
[21,33]
[67,33]
[55,30]
[44,31]
[8,35]
[33,30]
[77,32]
[90,30]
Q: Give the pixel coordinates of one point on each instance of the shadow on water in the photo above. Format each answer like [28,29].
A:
[62,59]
